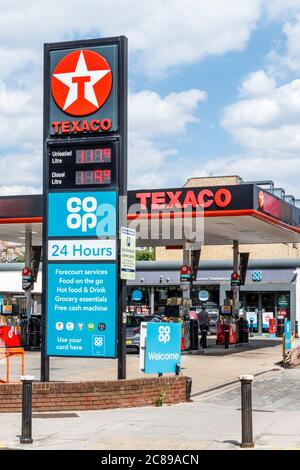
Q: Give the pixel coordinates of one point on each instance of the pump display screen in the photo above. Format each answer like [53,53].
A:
[82,167]
[93,177]
[102,155]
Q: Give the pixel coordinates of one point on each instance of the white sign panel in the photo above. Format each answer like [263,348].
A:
[143,345]
[68,250]
[128,257]
[266,316]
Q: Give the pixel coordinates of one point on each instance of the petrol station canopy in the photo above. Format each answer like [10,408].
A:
[243,212]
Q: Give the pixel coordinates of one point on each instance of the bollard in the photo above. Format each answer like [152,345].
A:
[246,395]
[160,374]
[177,369]
[296,329]
[251,328]
[204,337]
[188,390]
[26,434]
[226,342]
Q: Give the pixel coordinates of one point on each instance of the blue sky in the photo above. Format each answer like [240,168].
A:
[214,86]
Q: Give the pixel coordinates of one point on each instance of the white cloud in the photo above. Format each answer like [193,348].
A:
[152,115]
[292,56]
[280,9]
[21,169]
[17,190]
[268,123]
[258,166]
[257,84]
[162,36]
[165,34]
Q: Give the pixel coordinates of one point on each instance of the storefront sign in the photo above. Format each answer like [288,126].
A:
[83,86]
[283,301]
[190,200]
[27,278]
[85,98]
[137,295]
[203,295]
[162,351]
[128,254]
[235,280]
[257,276]
[185,274]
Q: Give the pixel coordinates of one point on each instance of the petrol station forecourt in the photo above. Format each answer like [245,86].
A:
[85,228]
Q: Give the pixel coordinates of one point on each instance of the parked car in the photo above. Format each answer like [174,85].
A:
[133,329]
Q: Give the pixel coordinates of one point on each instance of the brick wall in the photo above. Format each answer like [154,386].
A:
[61,396]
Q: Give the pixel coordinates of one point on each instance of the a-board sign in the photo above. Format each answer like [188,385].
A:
[85,173]
[160,347]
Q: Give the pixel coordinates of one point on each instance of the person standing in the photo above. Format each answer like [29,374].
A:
[203,319]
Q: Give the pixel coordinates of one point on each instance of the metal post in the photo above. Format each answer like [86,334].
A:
[122,344]
[188,390]
[204,337]
[236,289]
[251,328]
[226,342]
[186,292]
[152,306]
[246,395]
[28,264]
[26,434]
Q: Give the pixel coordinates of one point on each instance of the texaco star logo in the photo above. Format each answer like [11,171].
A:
[81,82]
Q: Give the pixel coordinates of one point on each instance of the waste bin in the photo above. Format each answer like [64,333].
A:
[34,332]
[280,327]
[242,331]
[245,331]
[194,329]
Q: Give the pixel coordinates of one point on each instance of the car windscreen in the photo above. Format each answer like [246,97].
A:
[134,321]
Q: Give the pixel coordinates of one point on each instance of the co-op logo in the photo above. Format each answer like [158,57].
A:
[86,215]
[164,334]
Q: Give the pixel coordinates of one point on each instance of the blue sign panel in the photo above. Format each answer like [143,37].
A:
[163,350]
[82,214]
[137,295]
[257,276]
[81,306]
[287,335]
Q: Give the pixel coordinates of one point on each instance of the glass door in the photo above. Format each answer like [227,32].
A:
[251,307]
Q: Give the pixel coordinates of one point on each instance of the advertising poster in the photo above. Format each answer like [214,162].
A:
[266,316]
[287,335]
[252,316]
[162,347]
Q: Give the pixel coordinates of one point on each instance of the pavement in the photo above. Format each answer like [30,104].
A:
[210,369]
[211,421]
